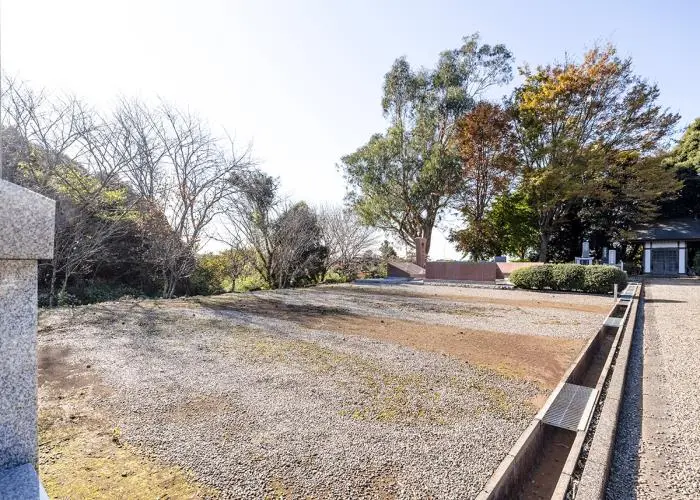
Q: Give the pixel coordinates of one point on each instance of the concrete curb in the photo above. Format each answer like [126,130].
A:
[510,474]
[597,466]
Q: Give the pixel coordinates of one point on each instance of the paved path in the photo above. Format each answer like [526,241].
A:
[669,451]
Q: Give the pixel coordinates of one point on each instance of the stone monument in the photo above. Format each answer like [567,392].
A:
[26,235]
[585,249]
[585,258]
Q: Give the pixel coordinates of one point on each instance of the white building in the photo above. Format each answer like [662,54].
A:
[667,245]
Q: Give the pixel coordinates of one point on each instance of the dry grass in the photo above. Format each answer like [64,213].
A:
[81,456]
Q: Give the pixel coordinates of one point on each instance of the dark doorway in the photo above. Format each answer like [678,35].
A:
[664,261]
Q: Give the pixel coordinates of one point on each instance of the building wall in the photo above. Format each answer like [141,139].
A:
[679,244]
[472,271]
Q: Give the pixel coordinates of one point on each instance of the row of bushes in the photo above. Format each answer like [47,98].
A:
[569,277]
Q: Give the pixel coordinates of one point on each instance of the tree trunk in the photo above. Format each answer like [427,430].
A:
[64,285]
[172,285]
[544,246]
[52,289]
[427,234]
[165,285]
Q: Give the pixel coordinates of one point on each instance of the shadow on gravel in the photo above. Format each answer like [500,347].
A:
[145,317]
[666,301]
[624,469]
[299,313]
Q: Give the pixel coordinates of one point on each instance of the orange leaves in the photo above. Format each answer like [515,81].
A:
[488,152]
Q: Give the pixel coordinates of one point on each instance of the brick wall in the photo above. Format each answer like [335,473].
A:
[472,271]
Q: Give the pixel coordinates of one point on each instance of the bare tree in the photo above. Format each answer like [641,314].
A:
[345,237]
[286,238]
[183,171]
[70,154]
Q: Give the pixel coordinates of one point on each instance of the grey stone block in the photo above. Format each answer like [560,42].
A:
[26,223]
[613,322]
[21,483]
[18,366]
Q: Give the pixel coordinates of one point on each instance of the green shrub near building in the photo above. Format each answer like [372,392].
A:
[600,279]
[569,277]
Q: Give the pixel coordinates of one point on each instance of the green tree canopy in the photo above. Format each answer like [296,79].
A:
[509,226]
[687,153]
[685,162]
[402,180]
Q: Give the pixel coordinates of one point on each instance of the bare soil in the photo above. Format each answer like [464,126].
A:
[535,301]
[539,359]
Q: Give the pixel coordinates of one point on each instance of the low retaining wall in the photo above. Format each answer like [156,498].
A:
[473,271]
[514,472]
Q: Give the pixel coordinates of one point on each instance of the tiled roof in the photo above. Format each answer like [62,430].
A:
[671,229]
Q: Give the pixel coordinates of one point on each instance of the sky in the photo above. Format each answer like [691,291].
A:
[301,81]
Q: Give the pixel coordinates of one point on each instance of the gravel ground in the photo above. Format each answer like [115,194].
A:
[495,293]
[255,405]
[523,316]
[624,467]
[668,448]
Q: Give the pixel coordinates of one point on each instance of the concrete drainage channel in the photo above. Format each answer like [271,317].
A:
[566,450]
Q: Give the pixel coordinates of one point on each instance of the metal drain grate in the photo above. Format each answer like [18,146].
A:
[571,408]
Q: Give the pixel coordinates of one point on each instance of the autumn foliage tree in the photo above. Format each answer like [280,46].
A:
[575,121]
[489,158]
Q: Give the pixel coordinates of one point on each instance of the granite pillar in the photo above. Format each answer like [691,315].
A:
[26,235]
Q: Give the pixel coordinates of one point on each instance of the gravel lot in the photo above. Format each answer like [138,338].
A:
[507,311]
[669,447]
[269,394]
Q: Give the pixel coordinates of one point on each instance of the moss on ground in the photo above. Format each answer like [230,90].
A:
[82,457]
[385,395]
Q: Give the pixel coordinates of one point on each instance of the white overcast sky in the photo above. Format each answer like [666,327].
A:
[302,80]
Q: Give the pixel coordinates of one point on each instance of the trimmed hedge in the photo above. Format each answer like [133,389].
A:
[569,277]
[600,279]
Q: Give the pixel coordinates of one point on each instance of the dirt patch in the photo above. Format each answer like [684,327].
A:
[532,303]
[81,454]
[63,376]
[540,359]
[385,395]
